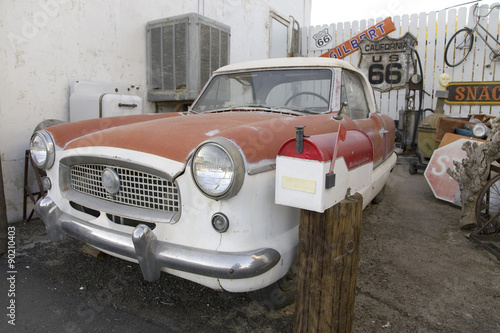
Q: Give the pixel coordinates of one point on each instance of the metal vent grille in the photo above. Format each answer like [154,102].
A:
[183,51]
[214,46]
[169,57]
[137,188]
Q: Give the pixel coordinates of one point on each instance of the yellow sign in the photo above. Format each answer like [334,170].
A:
[299,184]
[473,93]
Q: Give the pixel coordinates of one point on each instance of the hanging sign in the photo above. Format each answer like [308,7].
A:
[322,38]
[388,62]
[473,93]
[352,45]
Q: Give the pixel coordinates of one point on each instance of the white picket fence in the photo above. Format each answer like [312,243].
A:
[432,31]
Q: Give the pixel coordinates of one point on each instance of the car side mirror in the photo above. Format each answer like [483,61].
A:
[338,116]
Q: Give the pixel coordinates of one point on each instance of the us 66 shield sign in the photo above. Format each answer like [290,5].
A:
[388,62]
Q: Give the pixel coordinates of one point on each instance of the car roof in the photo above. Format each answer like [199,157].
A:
[287,63]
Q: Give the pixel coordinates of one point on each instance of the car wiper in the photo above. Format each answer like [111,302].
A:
[281,109]
[295,108]
[277,109]
[251,106]
[216,110]
[238,107]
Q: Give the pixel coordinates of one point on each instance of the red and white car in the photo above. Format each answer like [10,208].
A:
[193,193]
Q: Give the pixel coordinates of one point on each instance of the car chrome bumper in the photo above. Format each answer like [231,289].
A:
[153,255]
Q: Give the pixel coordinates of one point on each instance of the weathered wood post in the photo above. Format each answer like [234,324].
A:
[327,267]
[308,177]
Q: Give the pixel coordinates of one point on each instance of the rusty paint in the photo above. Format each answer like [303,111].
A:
[65,133]
[258,134]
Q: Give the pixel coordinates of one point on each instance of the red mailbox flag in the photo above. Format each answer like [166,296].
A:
[342,133]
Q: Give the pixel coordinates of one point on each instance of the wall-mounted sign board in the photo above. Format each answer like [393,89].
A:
[352,45]
[473,93]
[388,62]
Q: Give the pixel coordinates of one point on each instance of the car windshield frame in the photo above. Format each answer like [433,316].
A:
[302,90]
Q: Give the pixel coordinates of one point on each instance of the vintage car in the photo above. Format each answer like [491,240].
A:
[193,193]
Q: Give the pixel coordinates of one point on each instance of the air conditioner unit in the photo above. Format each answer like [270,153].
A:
[182,53]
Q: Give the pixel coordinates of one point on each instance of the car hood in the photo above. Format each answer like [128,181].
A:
[259,135]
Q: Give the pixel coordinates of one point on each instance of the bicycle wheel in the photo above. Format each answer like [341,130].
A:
[488,204]
[459,47]
[495,55]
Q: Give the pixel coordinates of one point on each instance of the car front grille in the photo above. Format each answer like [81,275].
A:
[137,188]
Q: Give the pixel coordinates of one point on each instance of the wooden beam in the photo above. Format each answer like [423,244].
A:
[327,267]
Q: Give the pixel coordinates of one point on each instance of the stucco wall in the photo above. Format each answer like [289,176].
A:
[47,44]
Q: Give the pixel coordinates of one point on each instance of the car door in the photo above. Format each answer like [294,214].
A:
[356,107]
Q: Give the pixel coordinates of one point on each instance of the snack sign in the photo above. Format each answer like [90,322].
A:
[473,93]
[352,45]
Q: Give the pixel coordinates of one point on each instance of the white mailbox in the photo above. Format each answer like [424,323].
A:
[304,178]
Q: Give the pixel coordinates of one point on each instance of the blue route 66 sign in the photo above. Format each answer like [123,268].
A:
[322,38]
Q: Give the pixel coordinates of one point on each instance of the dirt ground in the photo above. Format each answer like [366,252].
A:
[417,273]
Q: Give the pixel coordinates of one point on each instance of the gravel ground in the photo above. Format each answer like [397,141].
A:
[417,273]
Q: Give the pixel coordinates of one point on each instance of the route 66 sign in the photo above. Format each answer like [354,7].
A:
[322,38]
[388,62]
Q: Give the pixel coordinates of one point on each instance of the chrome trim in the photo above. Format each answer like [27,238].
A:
[225,220]
[153,255]
[238,163]
[261,169]
[49,147]
[88,159]
[111,181]
[124,203]
[335,70]
[125,186]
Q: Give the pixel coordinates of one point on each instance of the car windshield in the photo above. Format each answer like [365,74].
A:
[302,90]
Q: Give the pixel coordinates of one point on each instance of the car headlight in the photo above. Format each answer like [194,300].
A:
[42,149]
[218,168]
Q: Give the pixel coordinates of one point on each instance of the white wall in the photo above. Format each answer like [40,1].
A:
[47,44]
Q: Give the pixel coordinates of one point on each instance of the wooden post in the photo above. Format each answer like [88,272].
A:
[3,215]
[327,267]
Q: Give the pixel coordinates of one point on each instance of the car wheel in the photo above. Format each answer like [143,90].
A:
[281,293]
[379,197]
